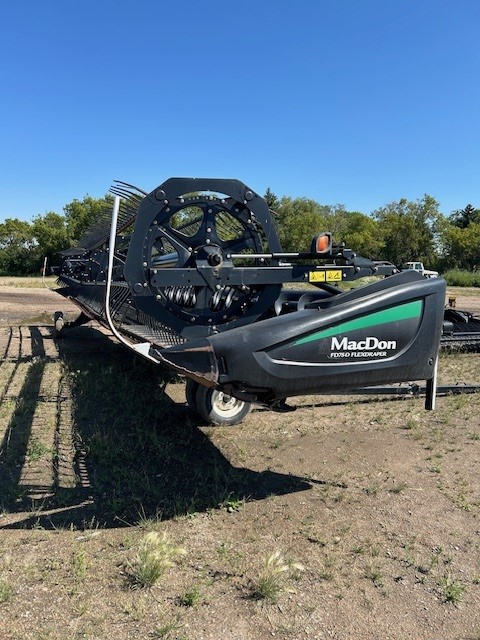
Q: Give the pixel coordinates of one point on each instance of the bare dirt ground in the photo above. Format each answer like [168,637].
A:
[367,507]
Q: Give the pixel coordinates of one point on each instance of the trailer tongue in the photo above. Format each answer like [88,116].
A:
[191,275]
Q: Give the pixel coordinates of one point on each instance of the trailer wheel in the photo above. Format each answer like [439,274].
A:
[191,388]
[219,408]
[59,323]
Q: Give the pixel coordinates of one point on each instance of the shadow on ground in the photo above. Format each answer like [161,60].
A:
[121,450]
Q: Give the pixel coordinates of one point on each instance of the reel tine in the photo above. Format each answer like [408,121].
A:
[130,186]
[126,192]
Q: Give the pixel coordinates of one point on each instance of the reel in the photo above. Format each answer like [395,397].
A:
[180,255]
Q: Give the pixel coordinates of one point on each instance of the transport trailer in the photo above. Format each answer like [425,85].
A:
[192,275]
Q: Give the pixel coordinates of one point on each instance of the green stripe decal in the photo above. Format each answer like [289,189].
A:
[402,312]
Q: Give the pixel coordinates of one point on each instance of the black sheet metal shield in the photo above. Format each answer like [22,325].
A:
[386,332]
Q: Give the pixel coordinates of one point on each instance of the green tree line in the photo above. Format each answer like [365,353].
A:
[24,245]
[399,231]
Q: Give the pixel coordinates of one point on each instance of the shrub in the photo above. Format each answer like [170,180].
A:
[462,278]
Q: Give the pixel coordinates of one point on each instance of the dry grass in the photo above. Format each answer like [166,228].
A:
[32,282]
[155,555]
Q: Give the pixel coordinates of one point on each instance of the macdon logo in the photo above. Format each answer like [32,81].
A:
[370,343]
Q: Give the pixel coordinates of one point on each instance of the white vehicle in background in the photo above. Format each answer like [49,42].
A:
[418,266]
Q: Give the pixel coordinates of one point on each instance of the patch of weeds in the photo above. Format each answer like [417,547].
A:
[232,504]
[327,570]
[149,523]
[437,552]
[452,589]
[409,543]
[409,547]
[233,556]
[6,591]
[191,597]
[184,506]
[367,547]
[463,496]
[165,630]
[45,634]
[276,443]
[155,555]
[90,527]
[372,490]
[272,581]
[474,436]
[36,450]
[437,435]
[398,488]
[137,609]
[358,550]
[79,565]
[460,494]
[373,572]
[460,401]
[50,565]
[410,424]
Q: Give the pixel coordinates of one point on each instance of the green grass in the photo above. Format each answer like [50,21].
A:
[233,504]
[36,450]
[191,597]
[79,565]
[462,278]
[6,591]
[165,630]
[452,589]
[373,572]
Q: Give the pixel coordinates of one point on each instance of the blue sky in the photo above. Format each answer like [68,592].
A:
[359,102]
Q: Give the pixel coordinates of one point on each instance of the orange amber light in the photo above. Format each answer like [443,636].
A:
[323,243]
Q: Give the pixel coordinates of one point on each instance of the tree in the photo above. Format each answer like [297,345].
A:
[19,253]
[79,214]
[51,234]
[297,221]
[271,199]
[23,245]
[363,235]
[460,239]
[409,230]
[463,217]
[461,246]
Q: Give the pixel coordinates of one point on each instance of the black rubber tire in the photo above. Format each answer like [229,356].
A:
[217,408]
[191,387]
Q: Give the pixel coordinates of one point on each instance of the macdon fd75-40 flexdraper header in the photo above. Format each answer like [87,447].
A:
[191,275]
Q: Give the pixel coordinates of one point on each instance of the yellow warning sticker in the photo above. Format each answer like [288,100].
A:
[330,275]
